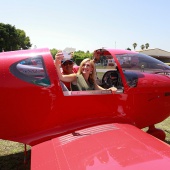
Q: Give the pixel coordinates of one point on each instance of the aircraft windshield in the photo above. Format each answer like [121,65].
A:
[143,63]
[108,70]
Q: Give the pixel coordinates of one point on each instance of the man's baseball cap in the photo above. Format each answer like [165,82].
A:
[66,59]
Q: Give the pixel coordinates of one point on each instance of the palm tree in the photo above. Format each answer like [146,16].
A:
[134,45]
[142,46]
[147,45]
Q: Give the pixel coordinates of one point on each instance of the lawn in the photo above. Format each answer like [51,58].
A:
[165,125]
[12,156]
[12,153]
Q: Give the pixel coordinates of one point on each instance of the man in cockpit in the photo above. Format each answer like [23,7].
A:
[68,66]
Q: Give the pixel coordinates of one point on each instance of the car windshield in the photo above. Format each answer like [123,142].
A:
[142,62]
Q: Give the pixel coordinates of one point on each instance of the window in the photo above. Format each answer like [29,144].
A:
[31,70]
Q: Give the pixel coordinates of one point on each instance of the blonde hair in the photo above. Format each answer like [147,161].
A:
[92,75]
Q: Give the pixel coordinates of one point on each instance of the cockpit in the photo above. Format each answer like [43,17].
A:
[114,68]
[133,66]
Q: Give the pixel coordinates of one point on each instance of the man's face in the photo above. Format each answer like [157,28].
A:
[96,57]
[67,67]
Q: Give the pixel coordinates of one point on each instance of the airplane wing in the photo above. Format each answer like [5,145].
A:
[104,147]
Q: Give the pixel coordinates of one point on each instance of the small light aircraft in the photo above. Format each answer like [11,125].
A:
[78,130]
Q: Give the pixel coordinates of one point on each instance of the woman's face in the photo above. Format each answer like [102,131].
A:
[87,68]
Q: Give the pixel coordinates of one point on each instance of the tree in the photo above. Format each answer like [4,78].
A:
[142,47]
[134,45]
[80,55]
[23,40]
[8,36]
[147,45]
[128,49]
[13,39]
[53,52]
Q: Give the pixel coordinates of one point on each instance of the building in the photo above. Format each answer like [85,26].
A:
[159,54]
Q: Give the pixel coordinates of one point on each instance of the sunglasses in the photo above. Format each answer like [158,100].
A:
[67,63]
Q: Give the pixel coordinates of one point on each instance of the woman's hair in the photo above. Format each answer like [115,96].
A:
[92,75]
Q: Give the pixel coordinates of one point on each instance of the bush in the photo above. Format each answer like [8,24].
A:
[78,60]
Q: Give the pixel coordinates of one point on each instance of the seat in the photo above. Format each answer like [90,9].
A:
[63,86]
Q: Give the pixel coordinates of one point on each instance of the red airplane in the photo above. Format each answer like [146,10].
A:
[86,130]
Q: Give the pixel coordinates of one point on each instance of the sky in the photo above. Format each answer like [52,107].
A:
[90,24]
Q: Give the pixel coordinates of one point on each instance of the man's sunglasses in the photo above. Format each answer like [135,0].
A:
[67,63]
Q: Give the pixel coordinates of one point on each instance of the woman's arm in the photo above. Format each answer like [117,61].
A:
[97,87]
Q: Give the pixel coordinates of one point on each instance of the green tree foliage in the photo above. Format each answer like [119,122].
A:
[147,45]
[80,55]
[13,39]
[23,40]
[128,49]
[8,36]
[134,45]
[53,52]
[142,47]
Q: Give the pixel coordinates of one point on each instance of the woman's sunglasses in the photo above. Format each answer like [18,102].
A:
[67,63]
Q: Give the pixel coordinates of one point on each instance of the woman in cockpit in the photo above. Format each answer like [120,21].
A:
[84,79]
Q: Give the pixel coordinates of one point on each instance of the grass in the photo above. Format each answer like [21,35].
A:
[12,153]
[12,156]
[165,125]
